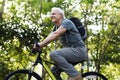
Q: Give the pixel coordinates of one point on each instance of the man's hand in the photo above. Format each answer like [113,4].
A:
[36,46]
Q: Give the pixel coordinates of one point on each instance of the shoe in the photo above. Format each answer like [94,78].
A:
[78,77]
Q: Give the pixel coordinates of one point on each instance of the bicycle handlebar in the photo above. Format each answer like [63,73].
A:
[36,50]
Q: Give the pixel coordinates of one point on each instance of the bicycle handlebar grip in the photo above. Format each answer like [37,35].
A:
[36,50]
[37,45]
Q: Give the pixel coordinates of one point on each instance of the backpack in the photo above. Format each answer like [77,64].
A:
[79,26]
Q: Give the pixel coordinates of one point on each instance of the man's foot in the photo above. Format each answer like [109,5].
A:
[78,77]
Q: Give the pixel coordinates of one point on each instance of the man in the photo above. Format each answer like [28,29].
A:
[73,50]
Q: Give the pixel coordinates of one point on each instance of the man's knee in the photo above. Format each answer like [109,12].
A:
[53,55]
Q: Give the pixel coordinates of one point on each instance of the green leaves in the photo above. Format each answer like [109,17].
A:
[27,21]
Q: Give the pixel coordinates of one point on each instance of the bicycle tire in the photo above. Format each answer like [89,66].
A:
[23,75]
[93,76]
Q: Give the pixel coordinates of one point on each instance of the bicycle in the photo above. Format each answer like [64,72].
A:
[29,74]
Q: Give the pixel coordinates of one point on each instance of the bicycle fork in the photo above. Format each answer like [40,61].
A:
[30,72]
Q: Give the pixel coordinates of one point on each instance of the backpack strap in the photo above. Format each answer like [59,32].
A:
[54,28]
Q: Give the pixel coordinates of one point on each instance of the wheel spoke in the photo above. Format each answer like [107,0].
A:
[93,76]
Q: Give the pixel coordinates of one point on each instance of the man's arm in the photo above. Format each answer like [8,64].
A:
[52,36]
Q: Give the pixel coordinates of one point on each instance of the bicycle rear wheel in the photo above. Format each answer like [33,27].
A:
[23,75]
[93,76]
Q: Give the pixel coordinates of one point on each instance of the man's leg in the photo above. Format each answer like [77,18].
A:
[56,71]
[64,57]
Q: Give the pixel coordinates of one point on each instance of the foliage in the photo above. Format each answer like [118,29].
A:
[112,70]
[23,22]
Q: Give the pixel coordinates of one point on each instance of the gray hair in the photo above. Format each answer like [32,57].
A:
[59,10]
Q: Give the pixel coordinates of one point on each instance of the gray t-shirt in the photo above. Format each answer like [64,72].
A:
[71,38]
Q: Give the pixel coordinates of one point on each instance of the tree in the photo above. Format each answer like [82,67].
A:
[26,21]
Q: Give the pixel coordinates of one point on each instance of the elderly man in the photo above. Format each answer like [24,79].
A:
[73,50]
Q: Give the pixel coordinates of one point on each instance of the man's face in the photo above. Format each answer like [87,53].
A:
[55,16]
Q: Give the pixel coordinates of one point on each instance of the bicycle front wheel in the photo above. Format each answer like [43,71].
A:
[23,75]
[93,76]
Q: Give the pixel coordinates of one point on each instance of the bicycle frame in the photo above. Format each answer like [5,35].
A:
[47,68]
[40,59]
[44,62]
